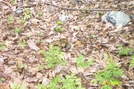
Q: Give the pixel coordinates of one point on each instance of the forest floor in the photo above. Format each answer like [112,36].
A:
[65,40]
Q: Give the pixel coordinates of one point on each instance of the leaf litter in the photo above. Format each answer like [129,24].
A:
[82,30]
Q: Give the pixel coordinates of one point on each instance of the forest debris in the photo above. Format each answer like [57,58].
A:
[32,45]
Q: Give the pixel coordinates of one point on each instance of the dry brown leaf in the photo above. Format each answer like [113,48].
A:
[32,45]
[4,86]
[46,81]
[84,31]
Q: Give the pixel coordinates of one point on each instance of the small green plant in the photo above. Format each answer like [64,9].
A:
[91,35]
[22,20]
[132,61]
[124,51]
[59,23]
[22,44]
[38,41]
[53,56]
[81,16]
[2,46]
[40,13]
[100,14]
[27,15]
[81,63]
[16,31]
[17,86]
[54,83]
[39,34]
[10,18]
[85,10]
[58,29]
[108,77]
[69,82]
[12,1]
[41,86]
[20,65]
[40,67]
[1,80]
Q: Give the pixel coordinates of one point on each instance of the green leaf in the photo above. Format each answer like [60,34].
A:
[132,61]
[69,82]
[100,14]
[59,23]
[81,63]
[109,76]
[16,30]
[53,56]
[2,46]
[58,29]
[41,86]
[10,18]
[124,51]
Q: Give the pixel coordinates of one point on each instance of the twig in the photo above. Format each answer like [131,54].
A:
[66,8]
[6,3]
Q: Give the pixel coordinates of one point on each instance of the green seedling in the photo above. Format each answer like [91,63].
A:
[59,23]
[27,14]
[124,51]
[86,10]
[22,20]
[69,82]
[12,1]
[1,80]
[2,46]
[81,16]
[109,77]
[91,35]
[54,83]
[81,63]
[100,14]
[58,29]
[10,18]
[40,13]
[22,44]
[16,31]
[38,41]
[20,65]
[53,56]
[40,67]
[39,34]
[17,86]
[41,86]
[132,61]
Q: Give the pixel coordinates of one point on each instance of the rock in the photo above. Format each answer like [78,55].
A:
[18,12]
[62,16]
[132,16]
[116,18]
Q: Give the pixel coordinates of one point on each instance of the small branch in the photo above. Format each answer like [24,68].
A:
[66,8]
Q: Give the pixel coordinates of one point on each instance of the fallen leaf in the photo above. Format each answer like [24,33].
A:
[4,86]
[32,45]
